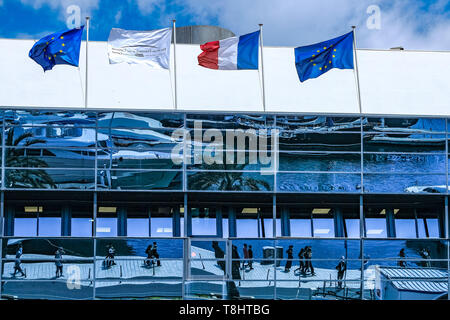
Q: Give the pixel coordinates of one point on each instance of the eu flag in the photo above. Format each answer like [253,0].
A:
[314,60]
[58,48]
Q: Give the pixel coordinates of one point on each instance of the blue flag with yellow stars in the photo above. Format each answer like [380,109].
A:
[58,48]
[314,60]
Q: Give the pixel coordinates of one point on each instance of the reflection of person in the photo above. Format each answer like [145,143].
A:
[155,254]
[290,256]
[219,254]
[17,262]
[58,262]
[250,257]
[425,253]
[245,250]
[148,251]
[308,255]
[365,261]
[341,268]
[301,257]
[235,274]
[401,262]
[110,256]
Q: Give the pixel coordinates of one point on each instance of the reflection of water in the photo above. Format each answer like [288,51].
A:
[406,164]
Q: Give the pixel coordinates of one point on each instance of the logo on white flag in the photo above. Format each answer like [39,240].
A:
[148,47]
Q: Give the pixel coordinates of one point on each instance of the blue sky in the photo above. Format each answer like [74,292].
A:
[413,24]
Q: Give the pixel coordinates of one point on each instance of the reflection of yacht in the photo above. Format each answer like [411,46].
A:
[69,146]
[426,189]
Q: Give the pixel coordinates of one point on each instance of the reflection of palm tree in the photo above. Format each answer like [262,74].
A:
[15,157]
[226,180]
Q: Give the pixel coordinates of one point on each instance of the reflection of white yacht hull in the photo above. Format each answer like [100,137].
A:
[407,141]
[426,189]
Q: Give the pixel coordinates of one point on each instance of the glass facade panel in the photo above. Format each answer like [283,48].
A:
[404,163]
[110,189]
[404,183]
[139,180]
[405,125]
[230,181]
[50,179]
[323,162]
[319,182]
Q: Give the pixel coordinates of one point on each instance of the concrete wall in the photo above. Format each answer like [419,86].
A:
[392,82]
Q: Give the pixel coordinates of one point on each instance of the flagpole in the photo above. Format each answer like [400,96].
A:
[86,79]
[175,62]
[356,72]
[262,66]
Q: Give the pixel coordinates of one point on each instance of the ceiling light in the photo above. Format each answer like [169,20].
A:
[33,209]
[107,209]
[375,231]
[250,210]
[321,231]
[321,210]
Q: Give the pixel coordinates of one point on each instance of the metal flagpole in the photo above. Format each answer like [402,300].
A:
[175,62]
[356,70]
[262,65]
[86,79]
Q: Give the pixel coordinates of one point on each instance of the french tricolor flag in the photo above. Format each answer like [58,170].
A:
[235,53]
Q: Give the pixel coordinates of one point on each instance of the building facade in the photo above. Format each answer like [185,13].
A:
[226,193]
[347,187]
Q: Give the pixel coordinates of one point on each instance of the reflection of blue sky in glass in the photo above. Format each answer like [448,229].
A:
[300,227]
[247,228]
[376,227]
[25,226]
[405,228]
[323,228]
[204,227]
[352,226]
[106,227]
[81,227]
[50,227]
[225,227]
[137,227]
[161,227]
[433,228]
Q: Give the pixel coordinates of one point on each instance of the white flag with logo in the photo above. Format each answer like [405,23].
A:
[149,47]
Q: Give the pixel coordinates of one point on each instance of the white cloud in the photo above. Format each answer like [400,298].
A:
[147,7]
[118,16]
[297,22]
[87,6]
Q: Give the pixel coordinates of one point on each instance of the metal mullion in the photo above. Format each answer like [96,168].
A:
[96,152]
[2,207]
[184,175]
[446,234]
[275,158]
[446,155]
[361,242]
[94,234]
[3,153]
